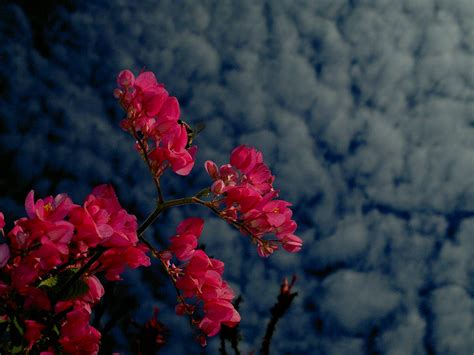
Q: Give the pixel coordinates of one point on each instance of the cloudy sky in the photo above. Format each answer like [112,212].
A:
[364,111]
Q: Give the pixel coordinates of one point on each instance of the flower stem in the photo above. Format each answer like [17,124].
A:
[159,209]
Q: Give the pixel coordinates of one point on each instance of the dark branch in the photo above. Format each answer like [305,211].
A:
[277,311]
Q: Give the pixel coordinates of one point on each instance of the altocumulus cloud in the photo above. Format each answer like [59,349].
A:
[364,110]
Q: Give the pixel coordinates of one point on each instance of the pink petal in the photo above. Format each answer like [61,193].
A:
[30,204]
[192,225]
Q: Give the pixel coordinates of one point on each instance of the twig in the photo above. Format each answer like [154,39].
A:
[277,311]
[156,179]
[222,349]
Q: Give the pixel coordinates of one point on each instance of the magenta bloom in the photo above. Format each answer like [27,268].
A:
[102,221]
[114,260]
[33,332]
[4,254]
[152,118]
[2,220]
[246,185]
[201,278]
[183,244]
[95,290]
[218,312]
[77,336]
[50,209]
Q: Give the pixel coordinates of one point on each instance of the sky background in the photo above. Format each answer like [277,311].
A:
[364,111]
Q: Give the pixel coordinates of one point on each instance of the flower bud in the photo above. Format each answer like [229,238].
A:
[125,79]
[218,187]
[291,243]
[212,169]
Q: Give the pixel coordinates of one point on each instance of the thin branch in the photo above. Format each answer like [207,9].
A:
[156,179]
[277,311]
[222,349]
[160,208]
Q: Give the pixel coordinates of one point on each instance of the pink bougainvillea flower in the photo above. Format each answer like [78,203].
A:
[48,209]
[291,243]
[33,332]
[183,244]
[192,225]
[77,336]
[27,271]
[4,254]
[201,278]
[35,298]
[102,221]
[248,198]
[153,120]
[212,169]
[114,260]
[125,79]
[2,221]
[218,312]
[95,290]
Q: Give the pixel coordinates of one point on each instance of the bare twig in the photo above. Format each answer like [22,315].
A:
[277,311]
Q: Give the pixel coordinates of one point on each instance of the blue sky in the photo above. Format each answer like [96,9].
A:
[363,109]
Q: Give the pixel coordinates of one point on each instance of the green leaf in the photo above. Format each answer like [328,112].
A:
[49,282]
[17,349]
[17,326]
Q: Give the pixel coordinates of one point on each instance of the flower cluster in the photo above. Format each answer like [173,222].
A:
[41,263]
[153,120]
[245,196]
[52,261]
[201,279]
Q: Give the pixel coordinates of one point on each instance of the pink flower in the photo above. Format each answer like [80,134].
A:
[244,196]
[33,332]
[185,241]
[245,159]
[249,199]
[212,169]
[125,79]
[114,260]
[103,221]
[218,312]
[291,243]
[2,221]
[201,278]
[25,272]
[95,290]
[50,209]
[77,336]
[173,150]
[45,233]
[183,246]
[154,114]
[4,254]
[192,225]
[35,298]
